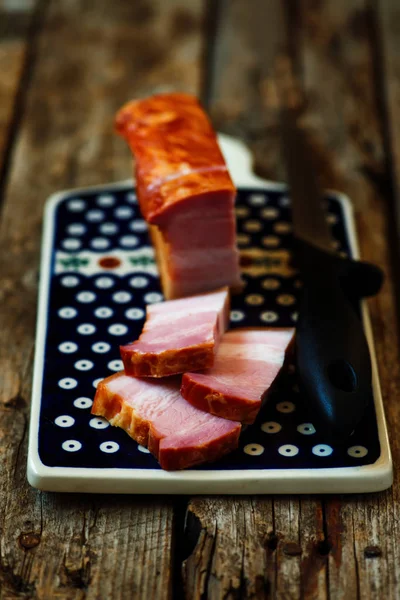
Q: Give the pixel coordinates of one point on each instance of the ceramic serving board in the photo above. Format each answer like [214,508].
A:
[98,273]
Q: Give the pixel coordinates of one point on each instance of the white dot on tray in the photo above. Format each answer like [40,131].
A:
[143,449]
[131,198]
[286,299]
[253,225]
[101,347]
[270,283]
[71,244]
[108,228]
[138,225]
[117,329]
[271,427]
[269,316]
[269,213]
[105,200]
[100,243]
[243,239]
[84,365]
[115,365]
[67,383]
[237,315]
[271,241]
[104,283]
[122,297]
[109,447]
[306,428]
[322,450]
[253,449]
[123,212]
[332,219]
[71,445]
[138,282]
[129,241]
[357,451]
[68,347]
[94,215]
[67,312]
[257,199]
[254,299]
[86,297]
[288,450]
[284,201]
[282,227]
[285,407]
[103,312]
[83,402]
[70,281]
[96,382]
[242,211]
[76,205]
[64,421]
[86,329]
[152,297]
[76,229]
[134,313]
[99,423]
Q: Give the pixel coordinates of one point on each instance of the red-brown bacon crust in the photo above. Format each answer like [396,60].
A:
[174,454]
[176,151]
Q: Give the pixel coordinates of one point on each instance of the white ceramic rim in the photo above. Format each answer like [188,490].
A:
[368,478]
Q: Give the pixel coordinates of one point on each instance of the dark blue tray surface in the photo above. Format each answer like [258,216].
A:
[90,315]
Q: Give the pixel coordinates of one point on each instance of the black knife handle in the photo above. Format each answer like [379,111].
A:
[333,358]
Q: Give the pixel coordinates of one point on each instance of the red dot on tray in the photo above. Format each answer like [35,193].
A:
[109,262]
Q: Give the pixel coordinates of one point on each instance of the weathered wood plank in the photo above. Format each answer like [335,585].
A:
[344,120]
[283,534]
[387,13]
[340,547]
[16,40]
[89,60]
[229,559]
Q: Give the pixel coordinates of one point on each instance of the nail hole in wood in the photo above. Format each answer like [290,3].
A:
[324,547]
[271,541]
[372,552]
[292,549]
[29,540]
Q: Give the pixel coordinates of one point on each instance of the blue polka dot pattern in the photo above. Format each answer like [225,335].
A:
[95,307]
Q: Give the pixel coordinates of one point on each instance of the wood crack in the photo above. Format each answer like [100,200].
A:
[20,443]
[22,90]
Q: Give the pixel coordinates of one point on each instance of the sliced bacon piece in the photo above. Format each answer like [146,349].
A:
[179,335]
[185,193]
[154,413]
[246,364]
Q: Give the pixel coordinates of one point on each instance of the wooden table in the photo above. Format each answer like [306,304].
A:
[65,67]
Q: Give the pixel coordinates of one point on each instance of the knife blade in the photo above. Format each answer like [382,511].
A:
[332,353]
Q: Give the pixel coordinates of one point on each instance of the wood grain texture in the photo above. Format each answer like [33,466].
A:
[346,124]
[335,547]
[17,32]
[277,553]
[387,13]
[90,58]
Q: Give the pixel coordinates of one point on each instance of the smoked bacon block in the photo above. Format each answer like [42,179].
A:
[178,336]
[245,366]
[154,414]
[185,193]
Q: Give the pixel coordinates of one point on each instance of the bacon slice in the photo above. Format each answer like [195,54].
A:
[179,335]
[246,364]
[185,193]
[154,414]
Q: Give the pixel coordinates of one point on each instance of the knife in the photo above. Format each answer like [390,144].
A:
[332,354]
